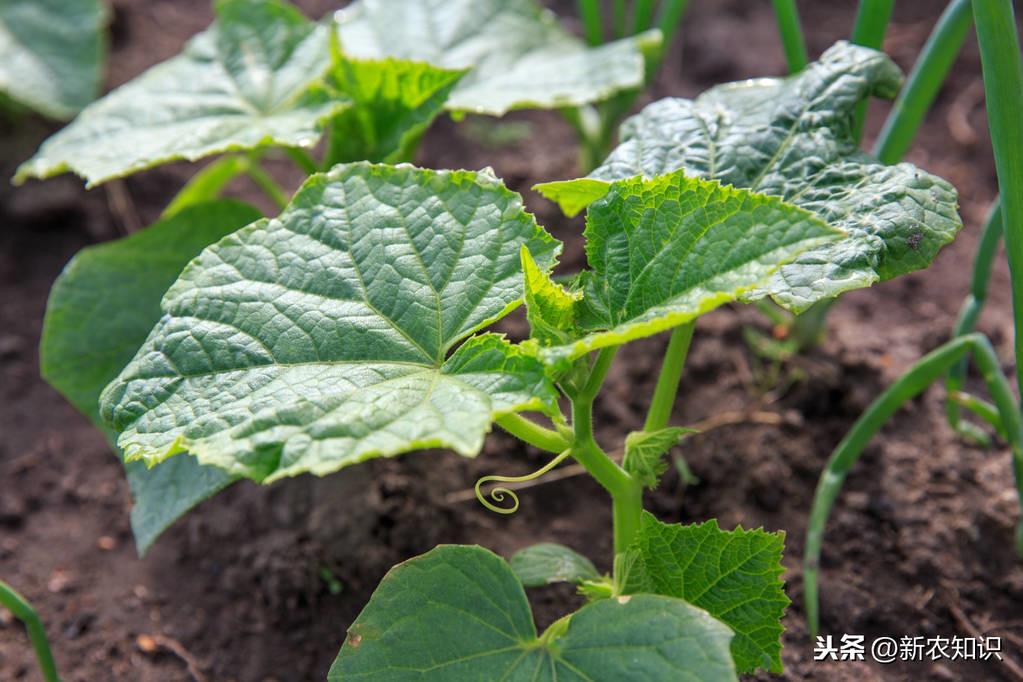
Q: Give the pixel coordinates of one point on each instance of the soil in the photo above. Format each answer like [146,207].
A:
[919,544]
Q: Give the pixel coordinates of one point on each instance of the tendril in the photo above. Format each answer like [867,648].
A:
[498,493]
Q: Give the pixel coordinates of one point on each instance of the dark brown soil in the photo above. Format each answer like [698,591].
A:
[920,544]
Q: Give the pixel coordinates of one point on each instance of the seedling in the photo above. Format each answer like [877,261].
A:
[23,611]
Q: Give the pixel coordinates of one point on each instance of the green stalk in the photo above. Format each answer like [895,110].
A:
[807,328]
[671,374]
[208,183]
[302,159]
[643,15]
[618,17]
[973,305]
[872,18]
[23,611]
[792,40]
[267,184]
[589,13]
[670,19]
[927,77]
[530,432]
[1003,91]
[626,492]
[928,369]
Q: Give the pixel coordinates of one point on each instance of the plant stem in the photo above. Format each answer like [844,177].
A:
[927,77]
[642,15]
[626,492]
[1003,91]
[974,304]
[302,159]
[589,13]
[792,40]
[267,184]
[671,374]
[530,432]
[208,183]
[807,328]
[872,18]
[618,18]
[24,612]
[912,383]
[671,18]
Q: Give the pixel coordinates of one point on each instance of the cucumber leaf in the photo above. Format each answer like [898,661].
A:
[394,103]
[550,307]
[645,450]
[734,575]
[547,563]
[321,338]
[51,53]
[519,55]
[459,613]
[666,250]
[794,138]
[254,78]
[100,311]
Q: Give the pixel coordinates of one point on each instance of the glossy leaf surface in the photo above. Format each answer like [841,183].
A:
[328,335]
[459,613]
[252,79]
[519,55]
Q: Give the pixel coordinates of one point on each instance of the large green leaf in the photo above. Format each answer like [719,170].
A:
[394,103]
[547,563]
[459,613]
[519,55]
[669,249]
[734,575]
[100,311]
[321,338]
[51,53]
[252,79]
[794,138]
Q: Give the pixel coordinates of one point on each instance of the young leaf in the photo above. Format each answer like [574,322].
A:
[794,138]
[668,249]
[51,53]
[252,79]
[550,308]
[734,575]
[320,338]
[394,103]
[459,613]
[518,53]
[548,563]
[645,450]
[100,311]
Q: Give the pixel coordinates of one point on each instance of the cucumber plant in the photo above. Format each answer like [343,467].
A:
[51,54]
[263,81]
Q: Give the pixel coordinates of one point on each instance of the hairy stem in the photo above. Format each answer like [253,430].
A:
[1003,91]
[24,612]
[924,81]
[787,15]
[872,18]
[928,369]
[671,374]
[530,432]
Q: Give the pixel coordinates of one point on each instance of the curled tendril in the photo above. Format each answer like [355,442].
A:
[499,493]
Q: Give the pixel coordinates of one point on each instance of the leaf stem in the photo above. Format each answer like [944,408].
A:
[787,15]
[267,184]
[530,432]
[302,159]
[927,77]
[671,374]
[618,18]
[807,328]
[912,383]
[1003,90]
[24,612]
[872,18]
